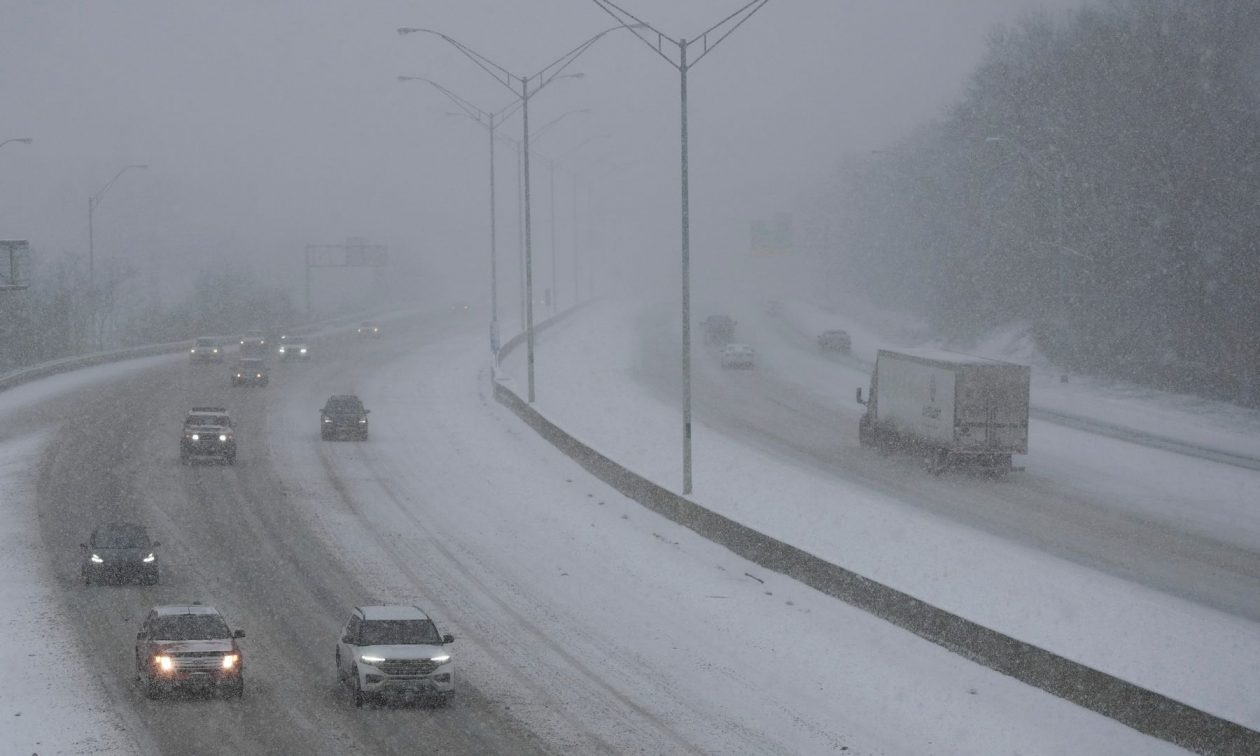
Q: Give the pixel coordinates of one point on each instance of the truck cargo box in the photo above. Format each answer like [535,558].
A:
[959,408]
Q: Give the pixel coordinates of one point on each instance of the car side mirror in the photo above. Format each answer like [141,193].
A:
[347,640]
[367,411]
[448,638]
[83,545]
[859,396]
[140,636]
[238,633]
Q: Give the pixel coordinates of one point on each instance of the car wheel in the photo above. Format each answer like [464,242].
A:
[151,578]
[444,699]
[356,688]
[231,460]
[150,687]
[237,690]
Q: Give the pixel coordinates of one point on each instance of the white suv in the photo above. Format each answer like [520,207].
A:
[394,651]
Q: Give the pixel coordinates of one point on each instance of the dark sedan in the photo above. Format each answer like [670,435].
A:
[120,552]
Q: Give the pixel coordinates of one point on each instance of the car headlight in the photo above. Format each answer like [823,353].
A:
[328,419]
[216,351]
[258,376]
[223,437]
[281,350]
[363,420]
[193,351]
[164,663]
[150,557]
[238,375]
[443,659]
[230,660]
[303,351]
[96,559]
[195,437]
[366,659]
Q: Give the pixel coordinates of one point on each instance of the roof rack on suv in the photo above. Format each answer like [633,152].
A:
[207,409]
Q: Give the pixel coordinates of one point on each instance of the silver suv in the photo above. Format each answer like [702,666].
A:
[395,652]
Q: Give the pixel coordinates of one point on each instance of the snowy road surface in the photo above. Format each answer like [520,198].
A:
[1135,561]
[584,623]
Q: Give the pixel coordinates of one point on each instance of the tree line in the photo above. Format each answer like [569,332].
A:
[61,315]
[1098,180]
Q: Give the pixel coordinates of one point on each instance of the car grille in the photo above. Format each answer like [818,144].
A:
[408,668]
[198,661]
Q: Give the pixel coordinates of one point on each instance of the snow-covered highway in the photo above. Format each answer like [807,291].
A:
[584,623]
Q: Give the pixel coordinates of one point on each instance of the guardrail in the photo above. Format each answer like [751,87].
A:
[1132,705]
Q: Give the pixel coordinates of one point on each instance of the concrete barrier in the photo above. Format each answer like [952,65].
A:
[1144,710]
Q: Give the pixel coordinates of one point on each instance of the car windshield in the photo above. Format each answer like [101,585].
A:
[344,405]
[251,364]
[207,342]
[205,420]
[121,537]
[398,632]
[190,627]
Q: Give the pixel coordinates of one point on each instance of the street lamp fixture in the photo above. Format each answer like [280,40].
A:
[23,140]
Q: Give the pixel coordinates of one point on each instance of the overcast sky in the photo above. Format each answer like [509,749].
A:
[270,124]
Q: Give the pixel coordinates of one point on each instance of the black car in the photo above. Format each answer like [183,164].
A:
[250,371]
[120,552]
[207,434]
[343,416]
[835,341]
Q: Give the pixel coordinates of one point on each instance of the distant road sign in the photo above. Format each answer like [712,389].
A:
[15,260]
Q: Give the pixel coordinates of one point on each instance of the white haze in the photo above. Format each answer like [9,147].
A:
[267,126]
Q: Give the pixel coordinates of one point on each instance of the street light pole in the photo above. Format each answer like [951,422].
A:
[490,121]
[721,30]
[93,202]
[509,80]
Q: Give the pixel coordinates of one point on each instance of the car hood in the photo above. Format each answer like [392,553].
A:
[224,645]
[416,651]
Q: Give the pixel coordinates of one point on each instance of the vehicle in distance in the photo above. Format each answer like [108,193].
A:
[250,371]
[738,356]
[394,652]
[294,349]
[206,349]
[774,307]
[718,329]
[369,328]
[835,340]
[189,646]
[120,552]
[343,416]
[207,434]
[253,344]
[956,409]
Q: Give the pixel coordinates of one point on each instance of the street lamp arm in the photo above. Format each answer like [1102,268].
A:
[638,26]
[723,28]
[551,124]
[553,70]
[472,110]
[96,198]
[23,140]
[501,74]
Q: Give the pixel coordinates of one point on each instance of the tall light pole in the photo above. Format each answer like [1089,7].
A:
[529,86]
[490,120]
[93,202]
[644,31]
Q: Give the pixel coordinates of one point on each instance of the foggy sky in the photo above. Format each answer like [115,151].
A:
[270,125]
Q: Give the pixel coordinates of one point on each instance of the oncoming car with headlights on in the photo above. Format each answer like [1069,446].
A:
[120,552]
[250,371]
[294,350]
[207,434]
[395,652]
[189,646]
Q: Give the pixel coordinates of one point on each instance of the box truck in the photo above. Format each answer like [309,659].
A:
[956,409]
